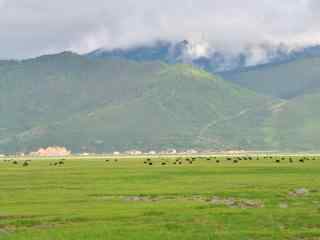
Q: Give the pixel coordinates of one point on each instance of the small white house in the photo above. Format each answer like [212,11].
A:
[192,151]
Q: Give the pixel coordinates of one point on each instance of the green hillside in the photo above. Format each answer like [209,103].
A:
[50,88]
[285,80]
[105,105]
[295,124]
[117,105]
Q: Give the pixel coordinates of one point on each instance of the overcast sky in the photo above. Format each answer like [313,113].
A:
[33,27]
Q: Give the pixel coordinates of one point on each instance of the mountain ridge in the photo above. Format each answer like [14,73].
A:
[104,105]
[209,59]
[114,104]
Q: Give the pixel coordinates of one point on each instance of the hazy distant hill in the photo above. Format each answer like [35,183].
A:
[104,105]
[285,80]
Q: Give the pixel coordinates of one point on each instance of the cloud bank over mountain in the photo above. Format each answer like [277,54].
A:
[33,27]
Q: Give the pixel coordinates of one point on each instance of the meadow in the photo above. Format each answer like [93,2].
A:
[217,197]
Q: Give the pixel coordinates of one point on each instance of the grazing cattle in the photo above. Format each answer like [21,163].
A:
[235,161]
[25,164]
[277,161]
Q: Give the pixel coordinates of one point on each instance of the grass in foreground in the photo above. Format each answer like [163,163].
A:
[202,198]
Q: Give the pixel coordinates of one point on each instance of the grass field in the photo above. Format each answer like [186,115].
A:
[212,198]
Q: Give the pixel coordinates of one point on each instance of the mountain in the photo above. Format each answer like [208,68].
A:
[160,51]
[285,80]
[173,53]
[90,104]
[201,55]
[268,70]
[102,105]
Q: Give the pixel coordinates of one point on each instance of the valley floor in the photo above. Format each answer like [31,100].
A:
[161,198]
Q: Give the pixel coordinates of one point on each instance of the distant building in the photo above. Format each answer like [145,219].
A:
[172,151]
[116,153]
[51,152]
[191,151]
[169,152]
[152,152]
[134,152]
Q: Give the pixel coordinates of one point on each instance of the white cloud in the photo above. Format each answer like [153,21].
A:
[33,27]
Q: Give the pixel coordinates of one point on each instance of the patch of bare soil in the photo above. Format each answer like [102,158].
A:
[237,203]
[3,232]
[283,205]
[301,192]
[140,199]
[230,202]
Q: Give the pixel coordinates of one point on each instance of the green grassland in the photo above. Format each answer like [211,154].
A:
[201,198]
